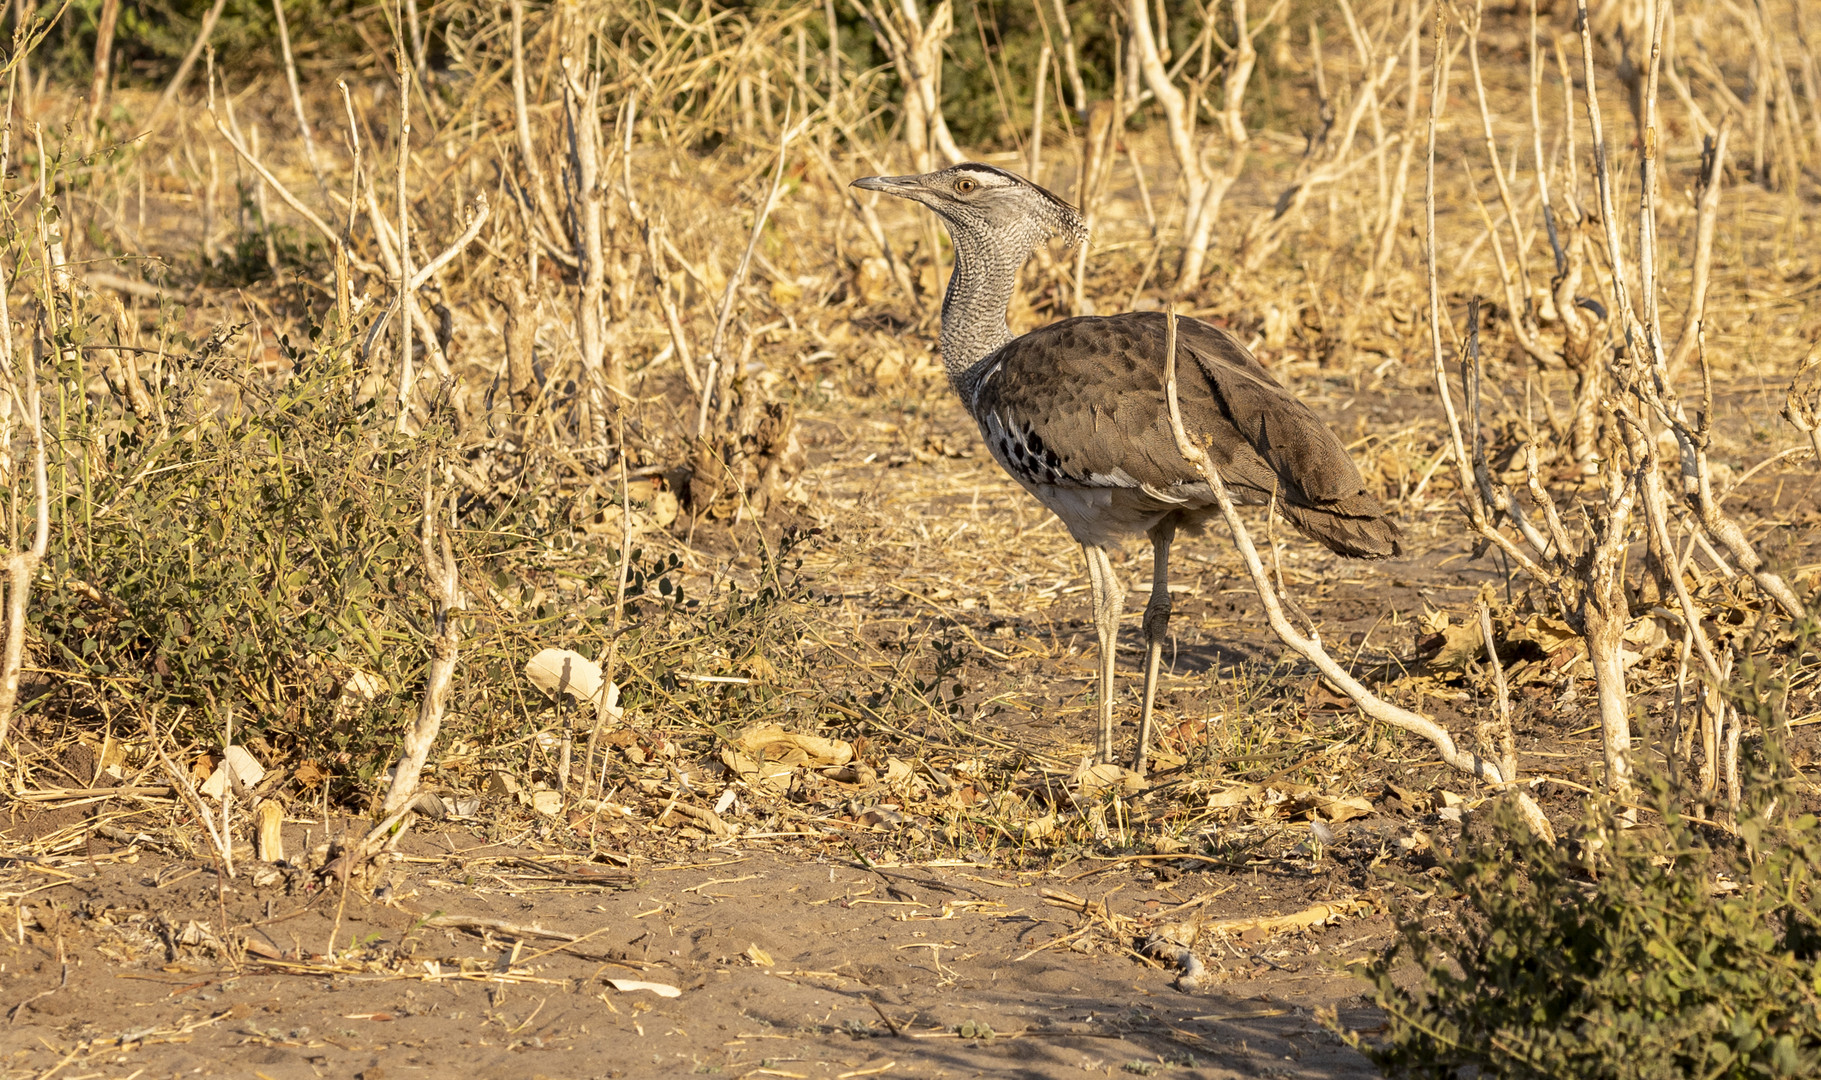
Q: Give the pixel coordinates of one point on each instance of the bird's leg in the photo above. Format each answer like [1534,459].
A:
[1109,602]
[1156,627]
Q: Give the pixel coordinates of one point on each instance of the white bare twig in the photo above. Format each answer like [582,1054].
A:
[719,375]
[297,106]
[21,373]
[1204,188]
[477,217]
[316,222]
[587,197]
[407,292]
[187,64]
[1650,378]
[220,838]
[914,43]
[441,575]
[1309,647]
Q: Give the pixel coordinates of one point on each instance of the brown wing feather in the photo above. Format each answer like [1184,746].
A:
[1081,403]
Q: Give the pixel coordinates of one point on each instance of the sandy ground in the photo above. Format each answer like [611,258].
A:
[786,966]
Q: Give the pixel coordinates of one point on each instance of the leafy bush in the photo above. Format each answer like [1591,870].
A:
[1687,951]
[252,549]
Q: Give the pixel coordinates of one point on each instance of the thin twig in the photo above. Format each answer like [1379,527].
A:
[189,62]
[1310,647]
[717,364]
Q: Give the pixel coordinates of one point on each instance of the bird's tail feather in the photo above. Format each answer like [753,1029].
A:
[1355,526]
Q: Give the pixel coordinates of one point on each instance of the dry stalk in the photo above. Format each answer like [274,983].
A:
[1071,62]
[1472,20]
[832,26]
[189,62]
[22,388]
[1707,206]
[587,191]
[718,379]
[103,69]
[914,43]
[354,186]
[1733,731]
[865,210]
[1520,293]
[1393,209]
[247,155]
[613,632]
[264,208]
[543,221]
[1645,371]
[387,242]
[407,294]
[297,105]
[1811,78]
[521,110]
[1099,138]
[441,575]
[1497,731]
[673,322]
[1151,223]
[220,838]
[1586,580]
[1203,188]
[1033,164]
[1308,646]
[1802,401]
[477,217]
[1329,159]
[1585,575]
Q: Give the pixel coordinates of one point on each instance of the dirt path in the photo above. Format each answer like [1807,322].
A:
[786,967]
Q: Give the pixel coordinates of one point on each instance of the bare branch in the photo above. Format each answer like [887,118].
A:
[1308,647]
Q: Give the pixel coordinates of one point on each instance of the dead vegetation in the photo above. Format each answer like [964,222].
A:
[345,391]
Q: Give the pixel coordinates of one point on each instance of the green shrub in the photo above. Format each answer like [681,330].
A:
[1675,949]
[256,551]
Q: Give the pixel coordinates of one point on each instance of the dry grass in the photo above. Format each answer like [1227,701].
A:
[797,525]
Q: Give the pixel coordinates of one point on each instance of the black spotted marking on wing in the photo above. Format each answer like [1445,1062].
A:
[1022,449]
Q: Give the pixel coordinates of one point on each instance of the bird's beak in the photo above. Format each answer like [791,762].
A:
[904,187]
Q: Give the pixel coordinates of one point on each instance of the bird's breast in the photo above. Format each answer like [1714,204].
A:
[1109,516]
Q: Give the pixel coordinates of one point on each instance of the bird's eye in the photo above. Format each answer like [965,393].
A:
[964,185]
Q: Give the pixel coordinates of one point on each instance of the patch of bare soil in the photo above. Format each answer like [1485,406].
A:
[489,961]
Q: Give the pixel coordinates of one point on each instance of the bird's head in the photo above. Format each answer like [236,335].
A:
[984,203]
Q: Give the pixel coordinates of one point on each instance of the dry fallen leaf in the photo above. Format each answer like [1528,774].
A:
[1345,809]
[773,743]
[246,772]
[762,776]
[1313,915]
[1038,828]
[627,986]
[564,671]
[1235,796]
[1100,777]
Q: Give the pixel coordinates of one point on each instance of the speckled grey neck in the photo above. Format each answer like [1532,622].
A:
[979,292]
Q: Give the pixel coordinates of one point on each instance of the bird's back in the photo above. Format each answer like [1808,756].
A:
[1075,411]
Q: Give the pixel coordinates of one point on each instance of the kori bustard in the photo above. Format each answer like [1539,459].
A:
[1076,413]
